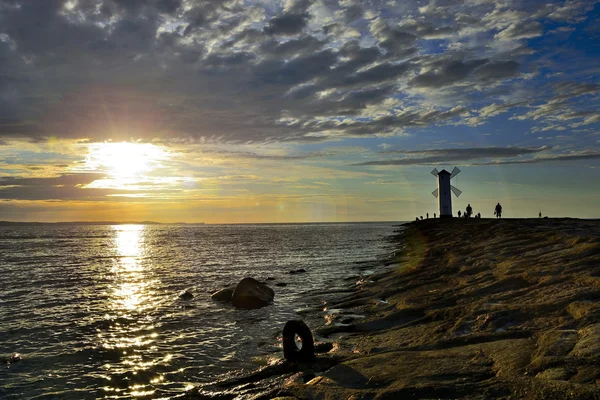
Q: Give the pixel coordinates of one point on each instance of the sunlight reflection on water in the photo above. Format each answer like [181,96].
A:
[131,290]
[133,295]
[95,310]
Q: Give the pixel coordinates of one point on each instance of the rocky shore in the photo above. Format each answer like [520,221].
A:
[475,309]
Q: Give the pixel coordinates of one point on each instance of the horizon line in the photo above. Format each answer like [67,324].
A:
[5,222]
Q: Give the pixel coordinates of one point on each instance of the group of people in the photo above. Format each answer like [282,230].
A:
[434,216]
[469,213]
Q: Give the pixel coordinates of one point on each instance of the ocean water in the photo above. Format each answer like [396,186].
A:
[94,309]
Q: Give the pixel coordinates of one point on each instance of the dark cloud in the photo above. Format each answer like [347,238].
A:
[289,24]
[168,6]
[63,187]
[297,70]
[205,14]
[389,124]
[435,156]
[398,43]
[67,187]
[227,71]
[447,72]
[352,13]
[61,180]
[497,70]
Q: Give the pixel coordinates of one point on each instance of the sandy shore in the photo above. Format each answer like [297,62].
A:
[477,309]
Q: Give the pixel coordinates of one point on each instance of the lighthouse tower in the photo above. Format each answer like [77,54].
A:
[443,191]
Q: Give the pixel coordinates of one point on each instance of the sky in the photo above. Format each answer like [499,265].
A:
[244,111]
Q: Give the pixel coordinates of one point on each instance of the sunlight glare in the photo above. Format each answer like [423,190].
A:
[125,160]
[130,293]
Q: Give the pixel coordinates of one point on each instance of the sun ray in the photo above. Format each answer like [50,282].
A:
[125,160]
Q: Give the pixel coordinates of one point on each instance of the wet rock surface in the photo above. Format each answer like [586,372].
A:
[250,294]
[223,294]
[186,295]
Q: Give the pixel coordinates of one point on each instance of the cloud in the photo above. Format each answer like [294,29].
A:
[63,187]
[228,71]
[497,70]
[446,72]
[61,180]
[567,157]
[289,24]
[525,30]
[435,156]
[387,182]
[571,10]
[567,108]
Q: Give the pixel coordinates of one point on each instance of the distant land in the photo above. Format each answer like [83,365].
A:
[4,223]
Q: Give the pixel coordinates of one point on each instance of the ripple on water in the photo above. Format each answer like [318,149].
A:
[94,309]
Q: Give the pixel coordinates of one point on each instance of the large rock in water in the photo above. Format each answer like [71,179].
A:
[250,293]
[223,294]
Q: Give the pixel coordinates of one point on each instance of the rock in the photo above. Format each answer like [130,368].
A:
[186,295]
[281,284]
[315,381]
[323,347]
[582,309]
[13,358]
[588,344]
[554,374]
[346,376]
[223,294]
[298,271]
[250,293]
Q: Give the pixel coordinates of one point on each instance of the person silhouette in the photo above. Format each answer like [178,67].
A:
[498,211]
[434,215]
[458,213]
[427,215]
[469,211]
[540,214]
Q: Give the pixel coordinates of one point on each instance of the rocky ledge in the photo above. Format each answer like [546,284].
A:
[476,309]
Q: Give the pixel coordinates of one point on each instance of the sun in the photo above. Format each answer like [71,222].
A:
[125,159]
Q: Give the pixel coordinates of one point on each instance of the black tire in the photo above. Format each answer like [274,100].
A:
[291,352]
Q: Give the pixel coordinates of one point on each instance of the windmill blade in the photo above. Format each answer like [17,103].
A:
[435,193]
[455,191]
[455,172]
[434,172]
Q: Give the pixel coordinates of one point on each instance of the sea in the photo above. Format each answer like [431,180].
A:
[94,310]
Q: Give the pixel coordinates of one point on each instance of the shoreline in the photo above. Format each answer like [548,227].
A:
[479,308]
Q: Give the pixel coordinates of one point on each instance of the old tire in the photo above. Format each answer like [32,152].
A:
[291,352]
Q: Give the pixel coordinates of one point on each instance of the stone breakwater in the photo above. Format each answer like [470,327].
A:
[476,309]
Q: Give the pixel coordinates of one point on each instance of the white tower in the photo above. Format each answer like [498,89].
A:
[443,191]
